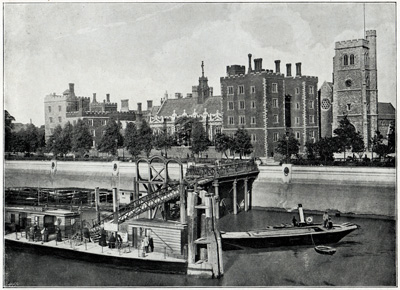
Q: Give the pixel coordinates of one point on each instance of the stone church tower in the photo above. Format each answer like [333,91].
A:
[355,87]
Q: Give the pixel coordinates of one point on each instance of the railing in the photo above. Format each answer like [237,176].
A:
[216,171]
[140,205]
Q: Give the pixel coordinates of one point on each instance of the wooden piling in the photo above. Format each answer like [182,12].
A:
[246,197]
[235,196]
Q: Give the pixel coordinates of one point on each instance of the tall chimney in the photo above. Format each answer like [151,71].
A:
[139,108]
[249,70]
[288,69]
[149,104]
[258,64]
[298,69]
[108,98]
[277,66]
[94,98]
[125,105]
[71,88]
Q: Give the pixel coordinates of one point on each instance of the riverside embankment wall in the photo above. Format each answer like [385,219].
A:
[359,190]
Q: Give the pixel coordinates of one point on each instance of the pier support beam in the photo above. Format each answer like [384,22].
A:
[97,203]
[216,191]
[246,195]
[235,196]
[115,204]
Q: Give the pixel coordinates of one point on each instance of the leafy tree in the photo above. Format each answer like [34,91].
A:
[287,145]
[41,137]
[82,139]
[312,150]
[200,140]
[184,127]
[345,135]
[222,143]
[392,138]
[112,138]
[241,142]
[54,142]
[326,147]
[357,144]
[18,141]
[31,138]
[131,140]
[146,138]
[163,140]
[378,146]
[8,134]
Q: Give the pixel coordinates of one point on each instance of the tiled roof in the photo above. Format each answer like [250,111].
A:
[386,111]
[188,105]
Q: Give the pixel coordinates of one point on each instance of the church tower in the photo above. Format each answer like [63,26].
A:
[203,90]
[355,86]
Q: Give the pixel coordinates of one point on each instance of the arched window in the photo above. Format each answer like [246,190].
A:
[345,60]
[351,58]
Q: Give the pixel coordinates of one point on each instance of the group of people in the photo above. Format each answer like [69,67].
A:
[34,233]
[113,241]
[326,219]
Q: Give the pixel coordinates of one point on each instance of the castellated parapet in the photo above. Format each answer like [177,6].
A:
[351,43]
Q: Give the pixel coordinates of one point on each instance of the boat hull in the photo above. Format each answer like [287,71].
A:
[145,265]
[317,238]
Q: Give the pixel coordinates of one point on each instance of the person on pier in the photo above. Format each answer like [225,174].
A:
[325,218]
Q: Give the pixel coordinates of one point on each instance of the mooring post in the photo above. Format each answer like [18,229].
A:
[235,196]
[115,204]
[97,203]
[246,196]
[192,226]
[216,191]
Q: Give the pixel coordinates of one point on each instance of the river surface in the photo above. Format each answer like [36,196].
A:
[366,257]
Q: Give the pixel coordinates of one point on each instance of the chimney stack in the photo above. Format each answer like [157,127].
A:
[71,88]
[288,69]
[249,70]
[108,98]
[139,108]
[125,105]
[277,66]
[298,69]
[149,104]
[258,64]
[94,98]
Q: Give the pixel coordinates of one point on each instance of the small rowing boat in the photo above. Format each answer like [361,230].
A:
[325,250]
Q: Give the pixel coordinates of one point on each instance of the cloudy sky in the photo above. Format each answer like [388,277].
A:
[138,51]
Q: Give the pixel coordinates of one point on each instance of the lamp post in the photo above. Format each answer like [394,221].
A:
[116,147]
[287,146]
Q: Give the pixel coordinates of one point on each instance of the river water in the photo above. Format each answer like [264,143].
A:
[366,257]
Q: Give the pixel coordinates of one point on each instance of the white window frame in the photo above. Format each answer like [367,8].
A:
[253,120]
[241,89]
[276,136]
[297,106]
[242,120]
[274,87]
[311,104]
[231,120]
[348,106]
[311,119]
[276,118]
[297,135]
[297,91]
[253,104]
[240,105]
[233,106]
[94,133]
[90,121]
[229,90]
[252,90]
[253,138]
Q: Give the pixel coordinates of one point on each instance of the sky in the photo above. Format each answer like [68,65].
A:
[138,51]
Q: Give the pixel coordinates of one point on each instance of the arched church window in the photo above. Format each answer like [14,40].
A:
[351,58]
[345,59]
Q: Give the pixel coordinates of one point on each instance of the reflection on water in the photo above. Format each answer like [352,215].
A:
[366,257]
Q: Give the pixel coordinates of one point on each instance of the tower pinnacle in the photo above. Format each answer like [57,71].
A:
[202,69]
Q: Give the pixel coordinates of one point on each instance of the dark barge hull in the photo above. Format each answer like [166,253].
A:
[143,265]
[278,241]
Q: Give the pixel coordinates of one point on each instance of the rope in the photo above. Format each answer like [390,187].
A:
[312,240]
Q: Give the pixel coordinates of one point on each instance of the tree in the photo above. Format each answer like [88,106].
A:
[241,142]
[54,143]
[8,134]
[111,139]
[82,140]
[222,143]
[392,138]
[131,140]
[378,146]
[163,140]
[200,140]
[146,138]
[357,144]
[345,135]
[42,138]
[287,145]
[31,138]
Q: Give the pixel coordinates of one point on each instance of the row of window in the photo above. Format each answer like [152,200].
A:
[296,134]
[242,120]
[346,59]
[59,119]
[49,108]
[274,89]
[275,104]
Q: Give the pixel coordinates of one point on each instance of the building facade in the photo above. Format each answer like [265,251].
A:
[269,104]
[61,109]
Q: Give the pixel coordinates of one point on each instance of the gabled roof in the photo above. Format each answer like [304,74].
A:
[386,111]
[188,105]
[329,84]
